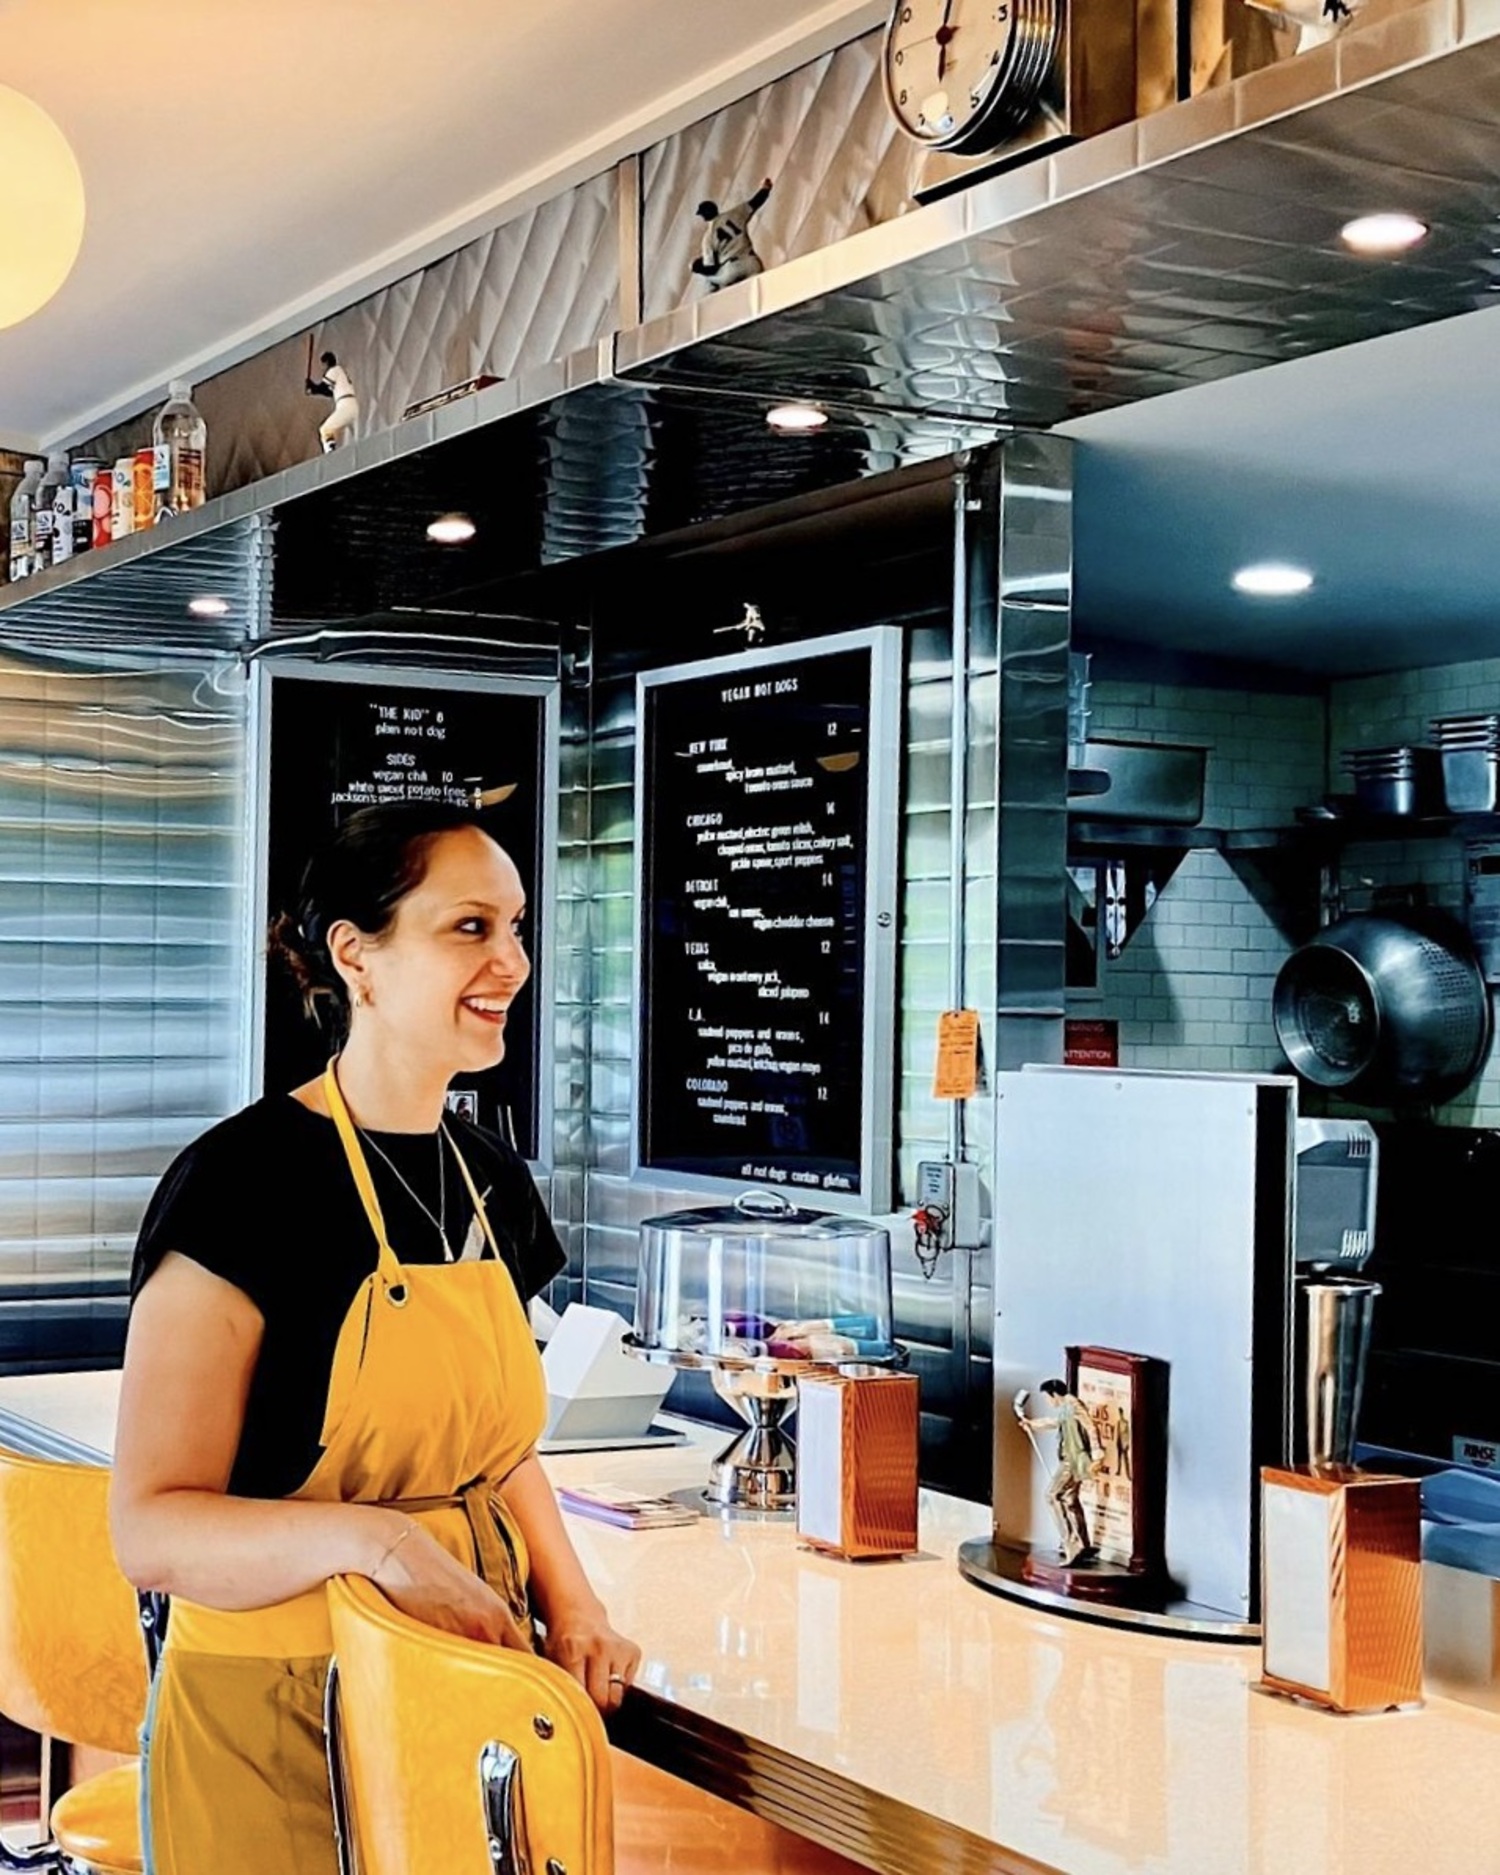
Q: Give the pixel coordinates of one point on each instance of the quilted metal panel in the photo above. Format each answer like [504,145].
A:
[1197,243]
[825,137]
[533,290]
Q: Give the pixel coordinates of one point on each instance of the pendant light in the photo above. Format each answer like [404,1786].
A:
[41,208]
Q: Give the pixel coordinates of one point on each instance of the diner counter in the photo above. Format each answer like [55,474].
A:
[896,1713]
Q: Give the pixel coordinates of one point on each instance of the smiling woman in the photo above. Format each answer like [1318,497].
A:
[330,1370]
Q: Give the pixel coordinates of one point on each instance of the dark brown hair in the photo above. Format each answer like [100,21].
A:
[376,858]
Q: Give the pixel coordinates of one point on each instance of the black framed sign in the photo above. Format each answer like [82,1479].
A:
[335,739]
[767,798]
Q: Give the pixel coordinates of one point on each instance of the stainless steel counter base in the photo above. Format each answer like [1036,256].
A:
[999,1571]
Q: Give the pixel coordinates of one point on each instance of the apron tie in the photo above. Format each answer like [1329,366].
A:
[494,1548]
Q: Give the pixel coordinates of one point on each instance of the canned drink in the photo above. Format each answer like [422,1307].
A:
[122,494]
[143,487]
[103,508]
[84,474]
[64,510]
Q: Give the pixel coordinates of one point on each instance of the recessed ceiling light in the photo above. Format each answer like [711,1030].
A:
[796,419]
[451,530]
[209,605]
[1272,580]
[1383,234]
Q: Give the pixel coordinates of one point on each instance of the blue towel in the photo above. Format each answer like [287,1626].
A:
[1461,1521]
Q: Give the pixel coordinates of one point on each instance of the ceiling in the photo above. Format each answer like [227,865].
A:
[1087,291]
[1376,467]
[251,163]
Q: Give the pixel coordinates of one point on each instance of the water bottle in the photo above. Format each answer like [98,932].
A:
[44,513]
[180,439]
[22,510]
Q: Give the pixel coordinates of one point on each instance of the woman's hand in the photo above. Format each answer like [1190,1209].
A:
[581,1642]
[420,1578]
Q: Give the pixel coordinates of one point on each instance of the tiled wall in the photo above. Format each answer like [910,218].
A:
[1192,989]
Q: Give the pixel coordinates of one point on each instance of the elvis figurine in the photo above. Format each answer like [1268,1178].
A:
[338,425]
[1076,1461]
[726,253]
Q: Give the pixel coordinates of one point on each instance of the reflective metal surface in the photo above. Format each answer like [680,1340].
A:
[122,931]
[998,1569]
[1337,1314]
[1390,1007]
[504,1813]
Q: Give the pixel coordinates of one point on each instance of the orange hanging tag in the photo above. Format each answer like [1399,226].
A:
[956,1076]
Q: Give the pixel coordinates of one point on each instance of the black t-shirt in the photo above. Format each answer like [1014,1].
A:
[266,1200]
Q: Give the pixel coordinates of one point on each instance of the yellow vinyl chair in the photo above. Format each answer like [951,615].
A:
[449,1757]
[72,1657]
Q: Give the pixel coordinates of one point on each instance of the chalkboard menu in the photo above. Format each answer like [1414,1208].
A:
[766,793]
[342,739]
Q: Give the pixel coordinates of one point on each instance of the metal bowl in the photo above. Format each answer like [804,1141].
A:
[1385,1007]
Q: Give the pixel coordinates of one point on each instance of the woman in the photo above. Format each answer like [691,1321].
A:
[329,1369]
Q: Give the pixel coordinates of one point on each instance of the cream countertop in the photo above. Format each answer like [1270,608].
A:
[1062,1744]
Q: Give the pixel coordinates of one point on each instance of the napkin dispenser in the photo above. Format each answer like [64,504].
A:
[595,1391]
[1341,1562]
[857,1462]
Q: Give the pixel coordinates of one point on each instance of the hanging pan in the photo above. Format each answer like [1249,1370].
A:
[1385,1007]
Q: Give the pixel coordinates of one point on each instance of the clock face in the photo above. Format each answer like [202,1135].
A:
[962,74]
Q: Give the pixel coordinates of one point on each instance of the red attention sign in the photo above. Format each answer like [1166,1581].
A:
[1091,1043]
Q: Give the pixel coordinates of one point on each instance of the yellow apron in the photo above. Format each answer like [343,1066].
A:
[436,1395]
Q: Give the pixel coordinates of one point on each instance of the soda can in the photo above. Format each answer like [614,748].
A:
[64,508]
[84,475]
[143,486]
[103,508]
[122,492]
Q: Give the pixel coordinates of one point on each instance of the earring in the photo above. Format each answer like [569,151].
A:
[359,999]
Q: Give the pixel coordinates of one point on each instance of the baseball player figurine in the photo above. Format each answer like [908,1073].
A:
[727,253]
[338,425]
[1315,20]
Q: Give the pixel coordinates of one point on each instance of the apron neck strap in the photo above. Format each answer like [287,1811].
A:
[479,1210]
[391,1276]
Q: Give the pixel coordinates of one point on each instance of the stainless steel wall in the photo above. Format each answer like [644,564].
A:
[122,945]
[595,1201]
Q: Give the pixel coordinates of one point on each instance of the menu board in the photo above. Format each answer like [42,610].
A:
[767,812]
[341,740]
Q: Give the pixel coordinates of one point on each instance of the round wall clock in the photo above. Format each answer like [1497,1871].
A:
[962,75]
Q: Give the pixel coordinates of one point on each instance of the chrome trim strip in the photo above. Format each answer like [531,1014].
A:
[999,1570]
[338,1780]
[504,1820]
[877,1831]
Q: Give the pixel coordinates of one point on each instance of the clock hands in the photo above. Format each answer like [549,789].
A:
[943,34]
